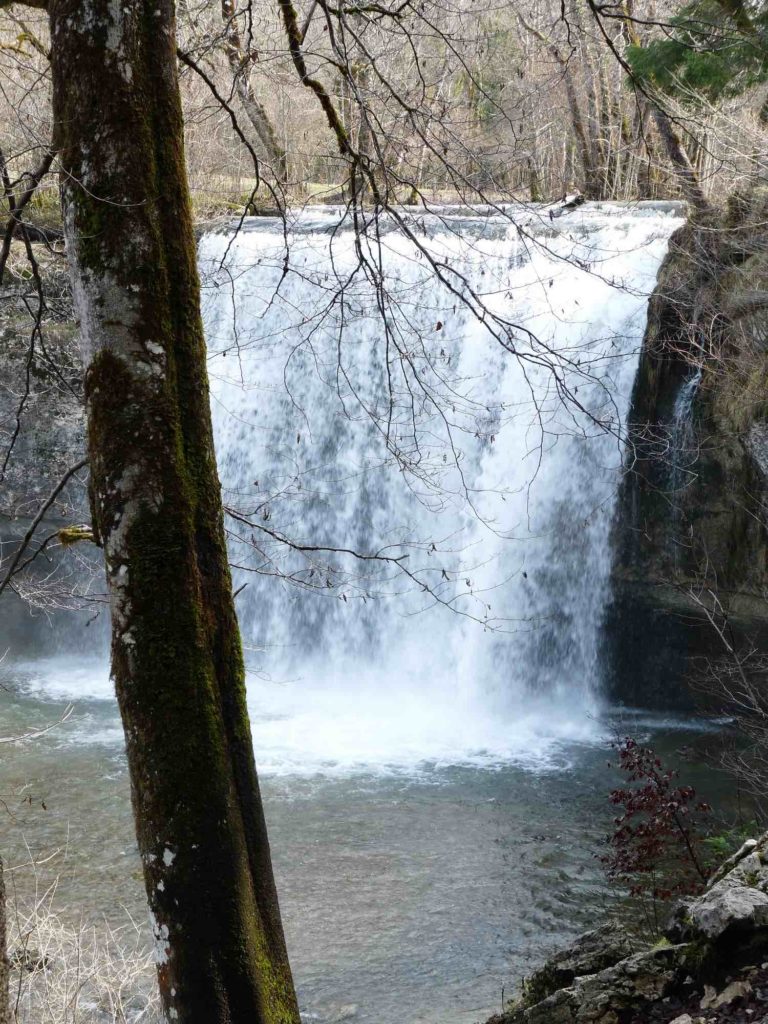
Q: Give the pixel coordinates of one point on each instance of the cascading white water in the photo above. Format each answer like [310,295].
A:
[682,435]
[395,420]
[503,507]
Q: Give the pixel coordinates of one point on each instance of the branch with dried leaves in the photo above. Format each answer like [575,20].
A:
[26,540]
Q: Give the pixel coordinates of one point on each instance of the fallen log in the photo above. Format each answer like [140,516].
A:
[568,205]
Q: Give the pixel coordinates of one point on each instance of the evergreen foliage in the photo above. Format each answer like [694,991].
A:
[713,49]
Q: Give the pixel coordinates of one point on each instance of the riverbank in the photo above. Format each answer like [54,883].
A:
[707,967]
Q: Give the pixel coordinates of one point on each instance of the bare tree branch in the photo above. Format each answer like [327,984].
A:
[42,511]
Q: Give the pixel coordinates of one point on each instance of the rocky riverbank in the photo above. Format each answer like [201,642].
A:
[709,965]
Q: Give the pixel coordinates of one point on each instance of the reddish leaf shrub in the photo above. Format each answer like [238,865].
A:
[655,848]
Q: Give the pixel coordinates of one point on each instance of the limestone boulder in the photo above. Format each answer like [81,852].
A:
[589,954]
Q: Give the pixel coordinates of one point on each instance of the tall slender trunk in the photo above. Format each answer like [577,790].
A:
[615,130]
[591,182]
[156,504]
[239,63]
[676,152]
[5,1003]
[595,106]
[686,172]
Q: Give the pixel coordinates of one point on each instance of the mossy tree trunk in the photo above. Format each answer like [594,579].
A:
[176,655]
[5,1003]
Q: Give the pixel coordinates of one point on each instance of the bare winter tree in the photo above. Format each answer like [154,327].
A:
[240,63]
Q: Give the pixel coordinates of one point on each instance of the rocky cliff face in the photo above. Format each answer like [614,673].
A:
[42,435]
[42,431]
[691,530]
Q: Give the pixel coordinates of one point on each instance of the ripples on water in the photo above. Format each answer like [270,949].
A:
[411,891]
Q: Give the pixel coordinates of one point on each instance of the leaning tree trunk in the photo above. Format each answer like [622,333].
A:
[176,654]
[687,177]
[591,179]
[239,62]
[690,185]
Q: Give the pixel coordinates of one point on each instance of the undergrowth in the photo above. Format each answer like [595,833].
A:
[78,973]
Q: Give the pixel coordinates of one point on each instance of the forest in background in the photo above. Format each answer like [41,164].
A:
[442,101]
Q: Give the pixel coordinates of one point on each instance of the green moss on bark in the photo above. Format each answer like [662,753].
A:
[176,653]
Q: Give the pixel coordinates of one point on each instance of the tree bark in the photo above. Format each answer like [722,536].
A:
[686,172]
[5,1003]
[590,182]
[676,152]
[596,107]
[259,119]
[156,504]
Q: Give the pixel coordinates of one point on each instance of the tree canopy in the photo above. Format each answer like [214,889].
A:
[710,50]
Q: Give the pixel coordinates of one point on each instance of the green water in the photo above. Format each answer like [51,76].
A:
[407,896]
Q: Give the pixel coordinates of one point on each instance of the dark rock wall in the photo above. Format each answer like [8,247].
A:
[42,435]
[41,414]
[691,521]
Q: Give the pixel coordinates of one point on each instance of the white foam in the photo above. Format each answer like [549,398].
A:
[340,726]
[64,678]
[331,727]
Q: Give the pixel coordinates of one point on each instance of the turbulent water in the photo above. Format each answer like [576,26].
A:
[420,444]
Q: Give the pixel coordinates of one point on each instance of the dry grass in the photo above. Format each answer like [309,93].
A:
[81,973]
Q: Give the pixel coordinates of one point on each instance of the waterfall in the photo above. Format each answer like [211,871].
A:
[367,402]
[682,435]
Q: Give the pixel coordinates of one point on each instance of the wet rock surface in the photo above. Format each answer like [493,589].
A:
[711,965]
[592,952]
